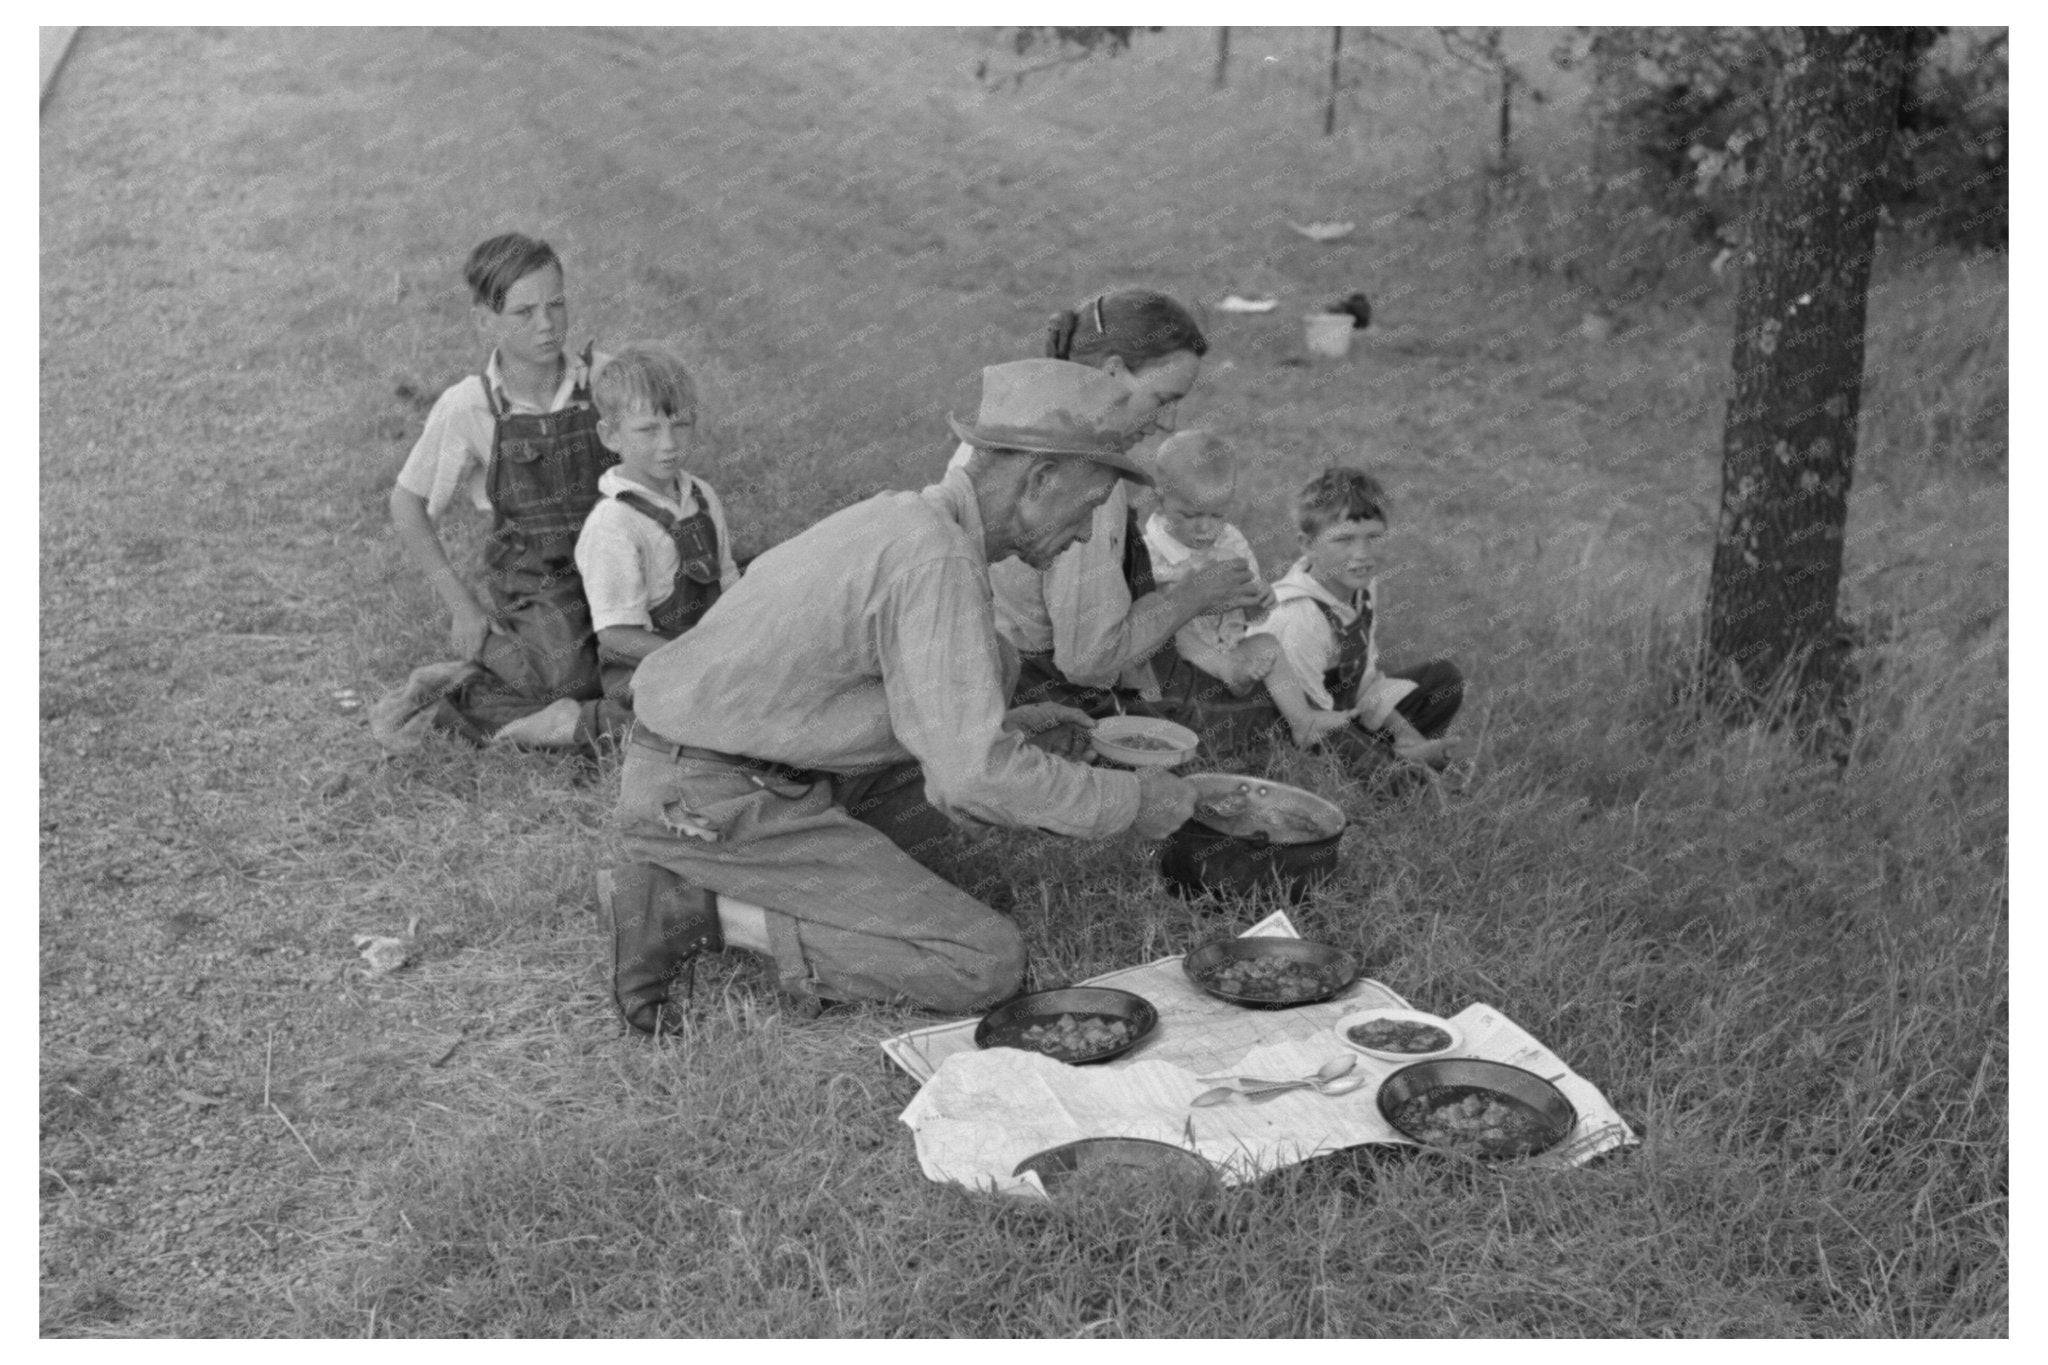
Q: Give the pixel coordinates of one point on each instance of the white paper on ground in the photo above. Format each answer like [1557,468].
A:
[981,1112]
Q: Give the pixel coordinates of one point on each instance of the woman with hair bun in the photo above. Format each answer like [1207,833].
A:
[1094,631]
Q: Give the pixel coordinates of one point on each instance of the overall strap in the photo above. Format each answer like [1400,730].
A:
[1343,677]
[1330,614]
[1361,625]
[667,521]
[581,392]
[646,507]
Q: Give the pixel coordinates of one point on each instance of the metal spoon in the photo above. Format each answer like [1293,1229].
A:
[1330,1079]
[1328,1071]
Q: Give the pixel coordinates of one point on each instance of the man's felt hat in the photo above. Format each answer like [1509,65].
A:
[1055,407]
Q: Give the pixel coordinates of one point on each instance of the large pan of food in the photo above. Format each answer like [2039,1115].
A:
[1249,834]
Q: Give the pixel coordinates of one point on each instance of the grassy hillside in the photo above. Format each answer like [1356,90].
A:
[1792,979]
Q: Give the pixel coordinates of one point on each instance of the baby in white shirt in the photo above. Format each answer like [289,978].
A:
[1196,479]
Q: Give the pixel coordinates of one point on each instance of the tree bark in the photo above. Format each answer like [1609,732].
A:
[1789,446]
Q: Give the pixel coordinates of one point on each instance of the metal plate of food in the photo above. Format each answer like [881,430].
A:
[1078,1025]
[1271,973]
[1488,1110]
[1121,1162]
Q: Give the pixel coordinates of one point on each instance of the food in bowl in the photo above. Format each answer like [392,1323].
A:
[1266,978]
[1143,741]
[1072,1037]
[1411,1036]
[1480,1122]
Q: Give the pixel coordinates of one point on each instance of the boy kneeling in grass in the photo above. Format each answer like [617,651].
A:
[519,442]
[655,552]
[1326,622]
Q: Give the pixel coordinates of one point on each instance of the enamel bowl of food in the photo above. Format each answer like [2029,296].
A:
[1488,1110]
[1399,1035]
[1249,835]
[1270,973]
[1143,741]
[1078,1025]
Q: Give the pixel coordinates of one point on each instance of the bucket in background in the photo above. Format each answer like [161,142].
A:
[1328,334]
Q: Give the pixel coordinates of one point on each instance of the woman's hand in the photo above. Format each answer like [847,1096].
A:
[1226,585]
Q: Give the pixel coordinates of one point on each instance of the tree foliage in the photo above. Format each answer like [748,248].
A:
[1684,113]
[1059,46]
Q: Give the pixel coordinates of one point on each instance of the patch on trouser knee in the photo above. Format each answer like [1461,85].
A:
[680,817]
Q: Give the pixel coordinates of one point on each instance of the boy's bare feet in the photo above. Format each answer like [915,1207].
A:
[551,727]
[1313,728]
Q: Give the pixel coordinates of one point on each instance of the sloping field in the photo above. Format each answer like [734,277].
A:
[1791,978]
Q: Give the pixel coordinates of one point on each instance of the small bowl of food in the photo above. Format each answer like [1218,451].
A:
[1143,741]
[1078,1025]
[1400,1035]
[1270,973]
[1488,1110]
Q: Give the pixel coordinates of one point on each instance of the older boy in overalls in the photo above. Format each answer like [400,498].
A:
[521,440]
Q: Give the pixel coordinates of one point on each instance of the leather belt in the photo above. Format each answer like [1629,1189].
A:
[647,739]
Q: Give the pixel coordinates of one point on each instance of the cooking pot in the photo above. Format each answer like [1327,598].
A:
[1249,835]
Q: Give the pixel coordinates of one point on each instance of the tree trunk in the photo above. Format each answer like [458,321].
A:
[1222,56]
[1336,55]
[1790,442]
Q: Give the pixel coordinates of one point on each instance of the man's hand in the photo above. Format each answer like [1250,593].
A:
[467,629]
[1165,803]
[1059,730]
[1226,585]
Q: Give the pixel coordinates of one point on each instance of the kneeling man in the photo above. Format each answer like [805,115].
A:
[846,702]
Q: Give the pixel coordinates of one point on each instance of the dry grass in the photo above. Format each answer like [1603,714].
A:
[1791,979]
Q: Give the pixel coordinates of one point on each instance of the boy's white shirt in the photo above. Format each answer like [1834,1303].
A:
[1308,643]
[629,562]
[1205,638]
[453,452]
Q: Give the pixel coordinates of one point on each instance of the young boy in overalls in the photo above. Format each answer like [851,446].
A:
[520,441]
[655,552]
[1327,618]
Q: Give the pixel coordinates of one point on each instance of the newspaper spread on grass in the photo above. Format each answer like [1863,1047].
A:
[981,1112]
